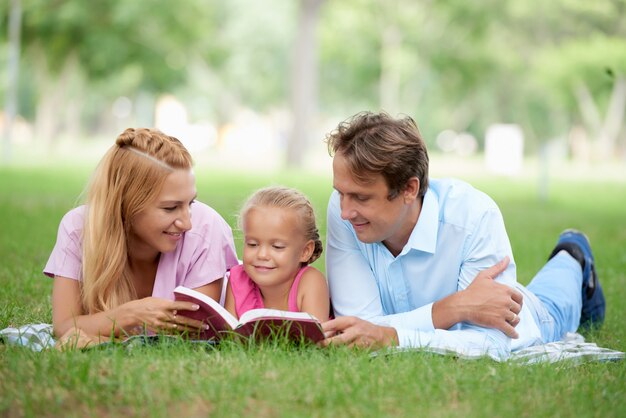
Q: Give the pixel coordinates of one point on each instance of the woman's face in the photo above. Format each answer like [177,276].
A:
[159,227]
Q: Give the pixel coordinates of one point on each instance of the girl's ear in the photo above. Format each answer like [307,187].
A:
[307,251]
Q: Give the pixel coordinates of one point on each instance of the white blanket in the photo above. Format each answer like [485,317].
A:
[572,347]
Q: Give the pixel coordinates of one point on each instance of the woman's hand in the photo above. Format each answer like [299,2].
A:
[155,314]
[160,315]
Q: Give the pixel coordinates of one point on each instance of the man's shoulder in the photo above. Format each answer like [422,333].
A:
[454,191]
[459,201]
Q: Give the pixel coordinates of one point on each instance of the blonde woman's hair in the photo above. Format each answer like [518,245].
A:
[128,178]
[287,198]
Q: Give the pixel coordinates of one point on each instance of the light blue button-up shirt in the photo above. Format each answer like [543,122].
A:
[459,233]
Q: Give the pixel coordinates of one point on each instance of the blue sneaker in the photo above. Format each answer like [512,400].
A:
[594,306]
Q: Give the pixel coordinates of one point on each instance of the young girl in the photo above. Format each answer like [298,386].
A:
[118,258]
[280,241]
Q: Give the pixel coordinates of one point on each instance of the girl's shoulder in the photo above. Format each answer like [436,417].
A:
[311,277]
[313,295]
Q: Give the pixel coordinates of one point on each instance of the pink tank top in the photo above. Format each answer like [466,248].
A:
[248,295]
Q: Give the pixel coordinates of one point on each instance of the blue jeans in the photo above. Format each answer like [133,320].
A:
[558,285]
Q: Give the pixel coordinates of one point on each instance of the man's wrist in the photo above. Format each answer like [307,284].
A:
[391,337]
[449,311]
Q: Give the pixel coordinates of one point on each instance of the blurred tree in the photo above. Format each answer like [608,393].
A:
[14,36]
[304,81]
[588,81]
[76,45]
[463,65]
[450,63]
[576,62]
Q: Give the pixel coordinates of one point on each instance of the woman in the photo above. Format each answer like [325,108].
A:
[141,233]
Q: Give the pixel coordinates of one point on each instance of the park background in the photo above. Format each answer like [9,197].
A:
[524,99]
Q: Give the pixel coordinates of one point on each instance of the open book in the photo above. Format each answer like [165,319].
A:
[256,323]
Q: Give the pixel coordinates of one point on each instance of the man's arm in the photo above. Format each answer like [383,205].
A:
[484,302]
[355,332]
[354,290]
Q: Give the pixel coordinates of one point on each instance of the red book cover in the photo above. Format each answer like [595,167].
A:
[271,323]
[256,323]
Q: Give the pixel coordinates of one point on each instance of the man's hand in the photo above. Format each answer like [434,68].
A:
[355,332]
[485,303]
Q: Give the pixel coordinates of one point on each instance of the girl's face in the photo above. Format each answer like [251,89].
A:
[274,245]
[159,227]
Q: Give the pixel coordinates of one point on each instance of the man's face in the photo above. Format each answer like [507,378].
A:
[373,216]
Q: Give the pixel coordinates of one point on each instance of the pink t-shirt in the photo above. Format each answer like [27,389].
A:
[248,296]
[203,255]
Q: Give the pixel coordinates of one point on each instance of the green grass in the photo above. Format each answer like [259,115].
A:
[184,380]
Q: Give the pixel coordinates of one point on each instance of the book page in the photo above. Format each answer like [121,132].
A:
[206,303]
[254,314]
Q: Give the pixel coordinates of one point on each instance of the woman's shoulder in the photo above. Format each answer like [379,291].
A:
[207,224]
[202,214]
[74,219]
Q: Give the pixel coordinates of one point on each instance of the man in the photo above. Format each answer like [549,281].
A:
[417,263]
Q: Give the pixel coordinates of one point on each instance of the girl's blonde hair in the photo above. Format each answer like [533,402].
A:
[287,198]
[128,178]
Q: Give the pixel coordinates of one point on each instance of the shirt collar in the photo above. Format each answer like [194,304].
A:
[424,235]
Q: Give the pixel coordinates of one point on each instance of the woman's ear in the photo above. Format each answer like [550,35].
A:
[411,189]
[307,251]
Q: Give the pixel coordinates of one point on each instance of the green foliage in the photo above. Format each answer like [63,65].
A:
[457,64]
[595,61]
[148,35]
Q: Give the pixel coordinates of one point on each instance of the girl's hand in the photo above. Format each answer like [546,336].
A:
[161,315]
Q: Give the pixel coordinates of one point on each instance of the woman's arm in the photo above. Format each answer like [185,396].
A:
[67,312]
[313,296]
[154,313]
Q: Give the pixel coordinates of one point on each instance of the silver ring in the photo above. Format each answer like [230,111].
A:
[514,318]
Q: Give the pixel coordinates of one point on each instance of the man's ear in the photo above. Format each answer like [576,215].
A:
[307,251]
[411,190]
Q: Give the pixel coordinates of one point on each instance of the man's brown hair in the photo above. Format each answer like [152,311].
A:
[376,143]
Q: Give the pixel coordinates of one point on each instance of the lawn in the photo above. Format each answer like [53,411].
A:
[179,379]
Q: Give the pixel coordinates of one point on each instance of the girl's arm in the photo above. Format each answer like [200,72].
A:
[212,290]
[229,303]
[313,295]
[154,313]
